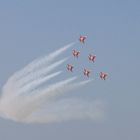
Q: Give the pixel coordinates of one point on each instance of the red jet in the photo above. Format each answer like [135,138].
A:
[82,38]
[103,75]
[75,53]
[92,57]
[70,67]
[86,72]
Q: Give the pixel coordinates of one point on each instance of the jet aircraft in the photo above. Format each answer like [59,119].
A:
[70,67]
[82,38]
[92,57]
[103,75]
[75,53]
[86,72]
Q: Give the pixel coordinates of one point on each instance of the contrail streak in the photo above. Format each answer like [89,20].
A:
[46,60]
[36,83]
[61,88]
[29,97]
[41,72]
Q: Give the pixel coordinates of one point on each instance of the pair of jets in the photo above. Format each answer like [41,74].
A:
[102,74]
[91,57]
[86,72]
[70,68]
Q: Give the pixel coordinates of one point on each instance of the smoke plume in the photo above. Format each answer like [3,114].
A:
[29,97]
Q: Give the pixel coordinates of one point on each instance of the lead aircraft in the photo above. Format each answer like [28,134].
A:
[82,38]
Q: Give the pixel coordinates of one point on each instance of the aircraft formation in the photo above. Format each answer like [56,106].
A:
[91,57]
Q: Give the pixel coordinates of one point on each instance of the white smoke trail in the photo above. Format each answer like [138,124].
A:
[41,72]
[25,100]
[36,83]
[38,63]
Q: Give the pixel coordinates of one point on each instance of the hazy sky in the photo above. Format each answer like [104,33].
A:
[32,28]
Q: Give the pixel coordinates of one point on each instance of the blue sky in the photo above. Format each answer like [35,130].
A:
[31,28]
